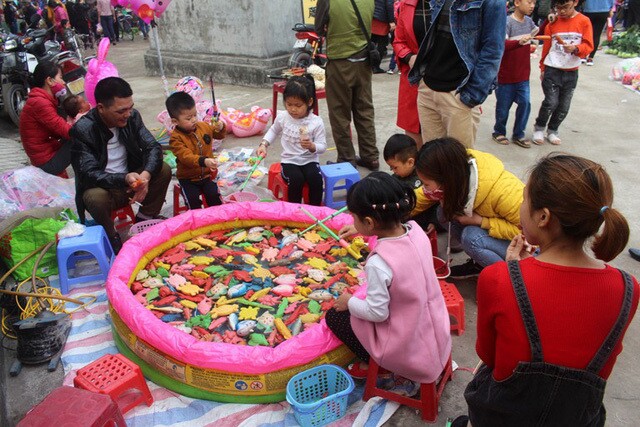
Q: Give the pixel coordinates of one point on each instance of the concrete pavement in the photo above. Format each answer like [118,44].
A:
[602,125]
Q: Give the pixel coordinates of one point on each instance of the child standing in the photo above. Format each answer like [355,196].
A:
[571,39]
[191,143]
[403,322]
[513,76]
[303,139]
[400,153]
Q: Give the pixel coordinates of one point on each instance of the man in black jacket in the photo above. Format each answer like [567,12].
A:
[116,159]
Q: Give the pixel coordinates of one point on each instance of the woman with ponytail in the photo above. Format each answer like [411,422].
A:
[550,327]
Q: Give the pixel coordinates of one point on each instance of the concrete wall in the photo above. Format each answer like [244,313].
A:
[238,41]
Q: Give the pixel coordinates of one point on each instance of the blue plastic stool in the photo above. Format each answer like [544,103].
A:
[94,240]
[333,174]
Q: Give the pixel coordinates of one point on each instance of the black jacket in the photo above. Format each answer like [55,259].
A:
[384,11]
[89,153]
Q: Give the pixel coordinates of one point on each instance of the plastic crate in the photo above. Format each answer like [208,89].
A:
[319,395]
[142,226]
[442,268]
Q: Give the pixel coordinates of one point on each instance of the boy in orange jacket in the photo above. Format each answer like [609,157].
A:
[571,38]
[191,142]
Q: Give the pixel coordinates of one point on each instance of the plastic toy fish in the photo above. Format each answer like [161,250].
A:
[200,274]
[318,263]
[250,259]
[248,313]
[282,328]
[296,327]
[304,244]
[287,279]
[152,282]
[201,260]
[255,237]
[236,238]
[189,289]
[232,320]
[205,242]
[204,306]
[224,310]
[261,273]
[313,237]
[218,290]
[191,245]
[269,254]
[258,339]
[288,240]
[237,290]
[142,274]
[310,318]
[188,304]
[320,295]
[176,280]
[245,327]
[266,319]
[165,309]
[316,274]
[283,290]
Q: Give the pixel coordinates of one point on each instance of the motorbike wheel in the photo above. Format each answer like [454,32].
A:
[14,100]
[300,59]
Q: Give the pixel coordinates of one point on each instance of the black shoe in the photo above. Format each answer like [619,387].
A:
[377,70]
[372,165]
[116,243]
[140,219]
[466,270]
[635,253]
[461,421]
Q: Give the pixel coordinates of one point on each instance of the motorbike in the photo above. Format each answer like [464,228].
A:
[20,56]
[308,47]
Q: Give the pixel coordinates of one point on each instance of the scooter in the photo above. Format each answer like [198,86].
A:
[307,49]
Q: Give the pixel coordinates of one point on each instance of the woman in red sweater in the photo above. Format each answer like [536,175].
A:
[577,308]
[43,132]
[413,20]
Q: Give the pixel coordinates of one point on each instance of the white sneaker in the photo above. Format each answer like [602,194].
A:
[538,137]
[554,139]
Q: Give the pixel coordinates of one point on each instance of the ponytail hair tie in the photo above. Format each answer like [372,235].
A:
[602,209]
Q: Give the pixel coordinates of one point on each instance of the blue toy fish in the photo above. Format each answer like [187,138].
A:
[245,327]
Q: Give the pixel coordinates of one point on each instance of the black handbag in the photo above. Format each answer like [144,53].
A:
[374,53]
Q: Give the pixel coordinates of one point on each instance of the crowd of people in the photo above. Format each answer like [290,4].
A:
[540,250]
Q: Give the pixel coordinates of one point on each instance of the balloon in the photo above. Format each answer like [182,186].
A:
[144,9]
[123,3]
[191,85]
[161,5]
[98,69]
[114,3]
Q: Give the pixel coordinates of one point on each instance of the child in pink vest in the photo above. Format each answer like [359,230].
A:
[403,323]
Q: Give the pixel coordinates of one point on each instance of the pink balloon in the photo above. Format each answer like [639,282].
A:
[144,9]
[99,68]
[114,3]
[123,3]
[161,6]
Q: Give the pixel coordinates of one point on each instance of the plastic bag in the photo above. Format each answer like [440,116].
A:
[29,235]
[31,187]
[234,166]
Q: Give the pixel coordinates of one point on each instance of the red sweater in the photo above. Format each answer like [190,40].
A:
[516,64]
[575,308]
[41,128]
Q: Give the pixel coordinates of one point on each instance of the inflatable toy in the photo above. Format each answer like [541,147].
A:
[98,69]
[246,124]
[197,367]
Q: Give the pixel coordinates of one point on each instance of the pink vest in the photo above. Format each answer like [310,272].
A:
[414,341]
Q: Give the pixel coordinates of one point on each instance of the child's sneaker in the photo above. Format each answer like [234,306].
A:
[554,139]
[538,137]
[405,387]
[390,71]
[590,62]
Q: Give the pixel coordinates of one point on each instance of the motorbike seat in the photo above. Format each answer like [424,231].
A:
[36,33]
[299,27]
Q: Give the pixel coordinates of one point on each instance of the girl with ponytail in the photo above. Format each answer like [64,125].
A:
[550,327]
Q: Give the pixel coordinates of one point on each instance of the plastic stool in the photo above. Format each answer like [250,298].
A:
[455,305]
[278,87]
[123,217]
[116,376]
[71,407]
[429,392]
[279,187]
[177,207]
[334,173]
[94,241]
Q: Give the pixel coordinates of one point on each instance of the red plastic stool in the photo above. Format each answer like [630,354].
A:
[115,375]
[278,87]
[177,207]
[123,217]
[455,305]
[279,187]
[71,407]
[429,392]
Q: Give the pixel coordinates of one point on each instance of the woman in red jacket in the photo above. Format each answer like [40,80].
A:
[413,21]
[43,132]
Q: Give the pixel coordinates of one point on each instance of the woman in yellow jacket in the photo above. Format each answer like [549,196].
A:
[478,198]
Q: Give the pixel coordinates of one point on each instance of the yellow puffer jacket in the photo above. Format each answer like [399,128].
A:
[498,198]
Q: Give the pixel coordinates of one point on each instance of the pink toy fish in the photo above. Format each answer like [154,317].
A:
[283,290]
[270,254]
[204,306]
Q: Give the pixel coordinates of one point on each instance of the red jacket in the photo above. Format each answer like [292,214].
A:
[404,43]
[41,128]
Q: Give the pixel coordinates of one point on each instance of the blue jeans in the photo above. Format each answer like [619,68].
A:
[506,95]
[476,242]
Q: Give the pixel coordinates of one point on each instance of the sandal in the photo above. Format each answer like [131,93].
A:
[356,371]
[522,142]
[554,139]
[501,139]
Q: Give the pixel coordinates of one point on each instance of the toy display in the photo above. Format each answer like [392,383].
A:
[234,168]
[99,68]
[265,286]
[627,72]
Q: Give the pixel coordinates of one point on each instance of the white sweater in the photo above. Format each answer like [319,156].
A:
[289,129]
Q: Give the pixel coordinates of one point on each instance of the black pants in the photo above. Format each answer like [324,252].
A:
[381,43]
[339,322]
[598,22]
[297,176]
[558,87]
[60,161]
[191,191]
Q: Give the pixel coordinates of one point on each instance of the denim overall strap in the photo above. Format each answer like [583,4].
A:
[605,350]
[525,310]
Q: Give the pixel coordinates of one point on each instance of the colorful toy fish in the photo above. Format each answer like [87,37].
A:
[245,327]
[283,290]
[320,295]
